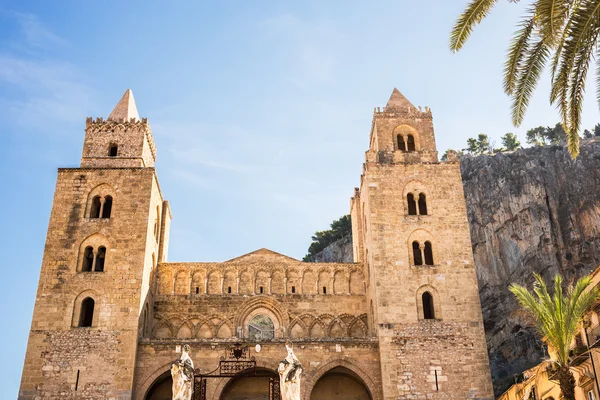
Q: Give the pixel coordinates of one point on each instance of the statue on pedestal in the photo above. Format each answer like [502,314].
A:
[182,372]
[290,371]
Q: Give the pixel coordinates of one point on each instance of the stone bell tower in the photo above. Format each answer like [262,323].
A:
[410,231]
[108,229]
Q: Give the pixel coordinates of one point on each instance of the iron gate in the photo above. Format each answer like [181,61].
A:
[238,363]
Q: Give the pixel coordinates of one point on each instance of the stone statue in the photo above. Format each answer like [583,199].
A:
[182,372]
[290,371]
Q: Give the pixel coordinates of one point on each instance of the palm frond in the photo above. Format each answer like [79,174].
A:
[529,75]
[516,52]
[579,49]
[552,15]
[475,12]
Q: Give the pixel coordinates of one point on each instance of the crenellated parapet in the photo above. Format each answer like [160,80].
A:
[133,125]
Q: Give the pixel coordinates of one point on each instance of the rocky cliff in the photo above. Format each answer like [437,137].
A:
[533,210]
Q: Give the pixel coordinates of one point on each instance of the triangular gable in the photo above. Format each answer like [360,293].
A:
[263,254]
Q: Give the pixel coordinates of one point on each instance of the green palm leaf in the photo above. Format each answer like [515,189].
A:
[475,12]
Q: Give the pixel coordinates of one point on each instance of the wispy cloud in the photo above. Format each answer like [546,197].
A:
[37,88]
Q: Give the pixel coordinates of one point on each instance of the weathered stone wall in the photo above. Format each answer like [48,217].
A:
[58,350]
[533,210]
[413,345]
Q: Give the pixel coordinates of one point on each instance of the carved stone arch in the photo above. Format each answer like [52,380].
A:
[358,328]
[325,281]
[278,280]
[337,328]
[165,281]
[144,386]
[266,305]
[415,187]
[294,281]
[181,282]
[202,333]
[421,236]
[163,328]
[102,190]
[317,329]
[405,130]
[297,330]
[95,241]
[198,281]
[357,280]
[97,306]
[341,281]
[310,380]
[214,281]
[185,330]
[262,279]
[219,331]
[437,305]
[230,278]
[246,281]
[309,281]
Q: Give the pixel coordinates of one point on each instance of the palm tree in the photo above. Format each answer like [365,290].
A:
[558,319]
[562,31]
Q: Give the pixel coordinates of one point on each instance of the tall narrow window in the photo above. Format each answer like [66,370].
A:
[412,205]
[86,315]
[107,207]
[157,224]
[401,144]
[95,208]
[422,204]
[410,143]
[417,257]
[324,289]
[261,290]
[100,256]
[428,311]
[228,289]
[293,289]
[88,259]
[113,149]
[428,254]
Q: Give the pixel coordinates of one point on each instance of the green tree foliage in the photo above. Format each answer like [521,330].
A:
[541,136]
[558,319]
[478,146]
[587,134]
[563,33]
[597,130]
[321,239]
[510,142]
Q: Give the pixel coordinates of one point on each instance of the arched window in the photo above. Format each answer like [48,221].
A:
[88,259]
[107,207]
[95,208]
[417,256]
[422,204]
[261,327]
[428,310]
[428,254]
[412,205]
[99,267]
[401,144]
[113,149]
[86,315]
[410,143]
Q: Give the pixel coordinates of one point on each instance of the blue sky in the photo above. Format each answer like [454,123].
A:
[260,110]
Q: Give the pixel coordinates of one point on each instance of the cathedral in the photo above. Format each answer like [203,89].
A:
[403,321]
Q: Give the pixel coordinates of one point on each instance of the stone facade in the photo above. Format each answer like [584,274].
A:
[111,312]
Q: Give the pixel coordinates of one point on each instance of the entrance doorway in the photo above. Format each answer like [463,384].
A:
[162,388]
[250,387]
[340,383]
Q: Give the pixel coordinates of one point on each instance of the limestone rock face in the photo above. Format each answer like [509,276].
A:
[338,251]
[533,210]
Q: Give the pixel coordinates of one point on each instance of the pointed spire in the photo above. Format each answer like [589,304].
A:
[125,108]
[397,100]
